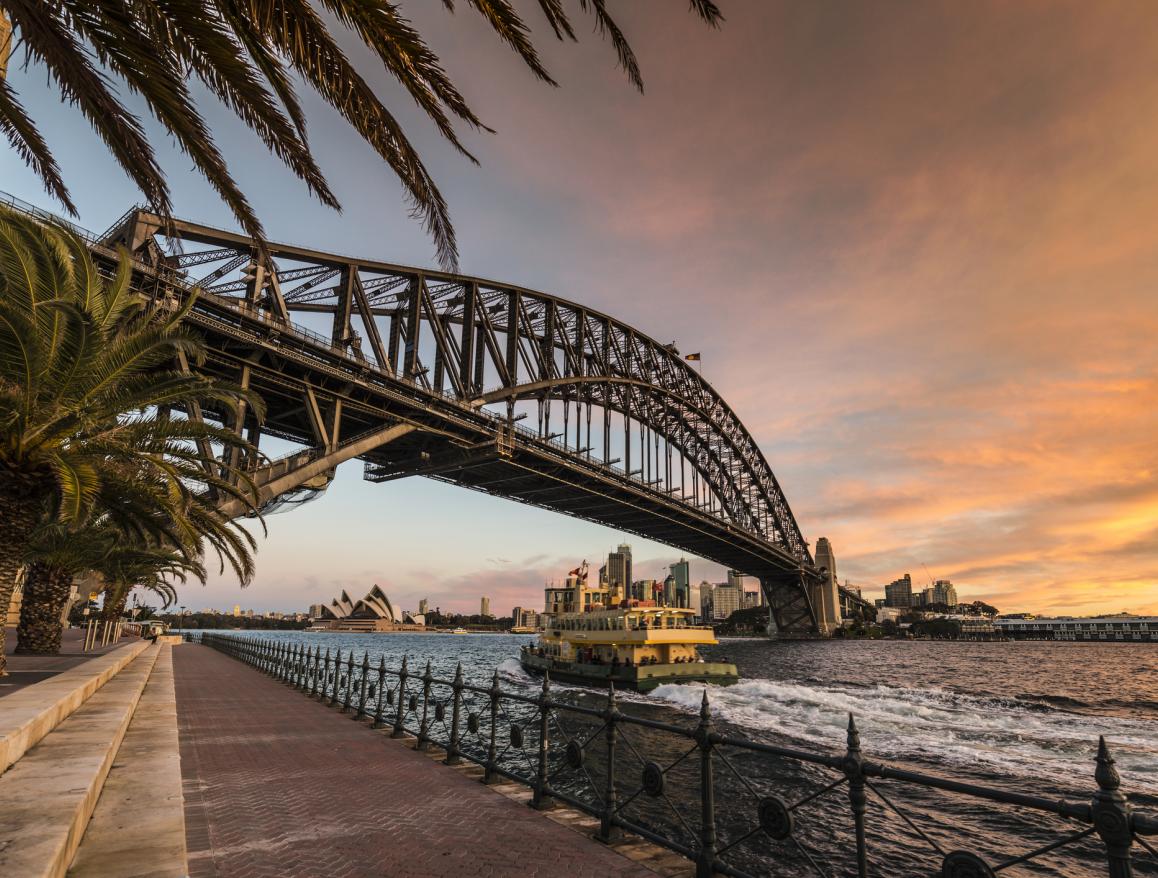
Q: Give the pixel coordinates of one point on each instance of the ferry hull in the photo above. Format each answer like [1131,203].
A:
[643,678]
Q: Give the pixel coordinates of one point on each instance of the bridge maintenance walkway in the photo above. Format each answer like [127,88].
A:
[278,785]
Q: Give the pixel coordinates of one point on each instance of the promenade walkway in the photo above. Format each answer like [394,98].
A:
[26,670]
[278,785]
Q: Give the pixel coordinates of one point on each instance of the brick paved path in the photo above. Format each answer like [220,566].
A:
[278,785]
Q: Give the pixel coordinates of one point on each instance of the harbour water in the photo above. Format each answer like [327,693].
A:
[1024,716]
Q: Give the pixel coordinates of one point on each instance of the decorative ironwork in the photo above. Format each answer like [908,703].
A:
[725,840]
[478,383]
[652,779]
[575,755]
[775,818]
[963,864]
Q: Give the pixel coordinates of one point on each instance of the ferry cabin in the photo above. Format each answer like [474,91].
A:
[634,636]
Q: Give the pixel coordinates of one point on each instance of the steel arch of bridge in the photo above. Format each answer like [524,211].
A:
[461,362]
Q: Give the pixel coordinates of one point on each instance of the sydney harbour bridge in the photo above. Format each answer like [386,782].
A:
[481,384]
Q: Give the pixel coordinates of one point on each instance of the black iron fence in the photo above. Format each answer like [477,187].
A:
[660,780]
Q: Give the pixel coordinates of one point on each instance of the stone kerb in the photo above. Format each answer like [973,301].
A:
[30,714]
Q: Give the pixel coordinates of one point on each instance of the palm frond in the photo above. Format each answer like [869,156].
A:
[25,139]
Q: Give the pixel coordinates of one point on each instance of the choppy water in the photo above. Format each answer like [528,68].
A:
[1023,716]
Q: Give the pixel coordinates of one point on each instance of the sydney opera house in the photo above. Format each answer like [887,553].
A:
[374,612]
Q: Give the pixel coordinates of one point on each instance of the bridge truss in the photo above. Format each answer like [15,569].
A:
[480,384]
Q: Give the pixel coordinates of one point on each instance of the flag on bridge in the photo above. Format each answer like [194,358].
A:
[694,358]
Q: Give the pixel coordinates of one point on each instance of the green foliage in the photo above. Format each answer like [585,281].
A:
[247,53]
[87,443]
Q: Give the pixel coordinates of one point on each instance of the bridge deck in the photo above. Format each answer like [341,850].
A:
[278,785]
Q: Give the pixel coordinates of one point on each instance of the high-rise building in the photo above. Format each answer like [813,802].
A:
[682,574]
[706,592]
[317,610]
[736,579]
[669,591]
[829,601]
[726,599]
[485,606]
[899,592]
[423,606]
[944,592]
[694,599]
[236,610]
[619,569]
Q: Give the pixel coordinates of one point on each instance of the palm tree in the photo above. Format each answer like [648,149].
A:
[246,52]
[78,352]
[152,569]
[141,520]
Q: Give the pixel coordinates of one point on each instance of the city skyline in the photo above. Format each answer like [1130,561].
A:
[938,238]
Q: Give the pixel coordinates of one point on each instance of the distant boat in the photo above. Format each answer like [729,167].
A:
[459,631]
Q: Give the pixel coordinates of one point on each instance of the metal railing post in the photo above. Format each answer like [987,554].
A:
[348,700]
[423,742]
[379,714]
[706,860]
[452,753]
[399,730]
[313,690]
[361,714]
[607,831]
[853,767]
[493,748]
[539,798]
[320,683]
[336,678]
[1111,814]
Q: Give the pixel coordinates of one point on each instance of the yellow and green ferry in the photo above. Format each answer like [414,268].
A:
[636,647]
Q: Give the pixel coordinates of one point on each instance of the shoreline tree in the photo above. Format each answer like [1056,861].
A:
[86,381]
[252,55]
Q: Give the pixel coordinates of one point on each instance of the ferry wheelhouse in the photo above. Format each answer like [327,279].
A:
[634,644]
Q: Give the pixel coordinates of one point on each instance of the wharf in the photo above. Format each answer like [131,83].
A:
[279,785]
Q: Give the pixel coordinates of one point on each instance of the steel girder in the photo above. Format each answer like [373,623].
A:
[455,356]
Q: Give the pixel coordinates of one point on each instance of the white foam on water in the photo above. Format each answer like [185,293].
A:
[898,724]
[511,669]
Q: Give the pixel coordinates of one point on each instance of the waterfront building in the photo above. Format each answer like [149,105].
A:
[945,593]
[694,592]
[899,592]
[1116,628]
[424,606]
[726,599]
[706,592]
[619,569]
[485,606]
[316,610]
[372,613]
[681,570]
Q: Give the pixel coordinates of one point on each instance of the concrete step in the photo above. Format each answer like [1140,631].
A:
[30,714]
[47,798]
[138,827]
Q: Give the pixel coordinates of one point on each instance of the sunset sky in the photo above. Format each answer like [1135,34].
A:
[916,244]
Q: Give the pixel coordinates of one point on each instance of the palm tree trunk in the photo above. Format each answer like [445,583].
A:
[17,519]
[46,593]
